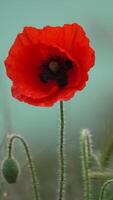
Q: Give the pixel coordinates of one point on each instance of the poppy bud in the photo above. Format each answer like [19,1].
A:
[10,170]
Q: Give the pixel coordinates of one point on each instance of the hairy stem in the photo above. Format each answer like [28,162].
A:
[100,175]
[30,162]
[103,189]
[107,153]
[61,153]
[85,147]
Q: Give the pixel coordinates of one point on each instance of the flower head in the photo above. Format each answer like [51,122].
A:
[49,64]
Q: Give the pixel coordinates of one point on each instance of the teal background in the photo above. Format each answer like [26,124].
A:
[92,108]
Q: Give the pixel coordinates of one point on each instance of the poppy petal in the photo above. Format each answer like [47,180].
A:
[72,39]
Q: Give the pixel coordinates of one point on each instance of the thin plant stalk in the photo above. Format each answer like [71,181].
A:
[106,156]
[103,189]
[85,142]
[97,175]
[61,154]
[30,162]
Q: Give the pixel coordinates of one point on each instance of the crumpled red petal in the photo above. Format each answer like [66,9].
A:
[48,101]
[71,38]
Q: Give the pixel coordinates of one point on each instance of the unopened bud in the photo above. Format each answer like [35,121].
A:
[10,170]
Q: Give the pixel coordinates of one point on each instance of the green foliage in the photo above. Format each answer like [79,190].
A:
[101,173]
[107,153]
[97,175]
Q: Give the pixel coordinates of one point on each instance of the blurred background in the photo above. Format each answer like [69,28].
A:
[92,108]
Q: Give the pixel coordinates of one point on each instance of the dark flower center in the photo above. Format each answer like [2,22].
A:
[56,69]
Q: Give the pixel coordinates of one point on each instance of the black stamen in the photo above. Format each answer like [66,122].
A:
[67,64]
[61,79]
[44,77]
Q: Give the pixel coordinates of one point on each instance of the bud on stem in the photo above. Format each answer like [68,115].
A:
[10,167]
[10,170]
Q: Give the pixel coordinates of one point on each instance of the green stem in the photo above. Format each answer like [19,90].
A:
[97,160]
[30,161]
[100,175]
[85,161]
[61,153]
[107,153]
[103,189]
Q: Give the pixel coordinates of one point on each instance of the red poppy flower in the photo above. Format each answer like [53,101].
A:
[49,64]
